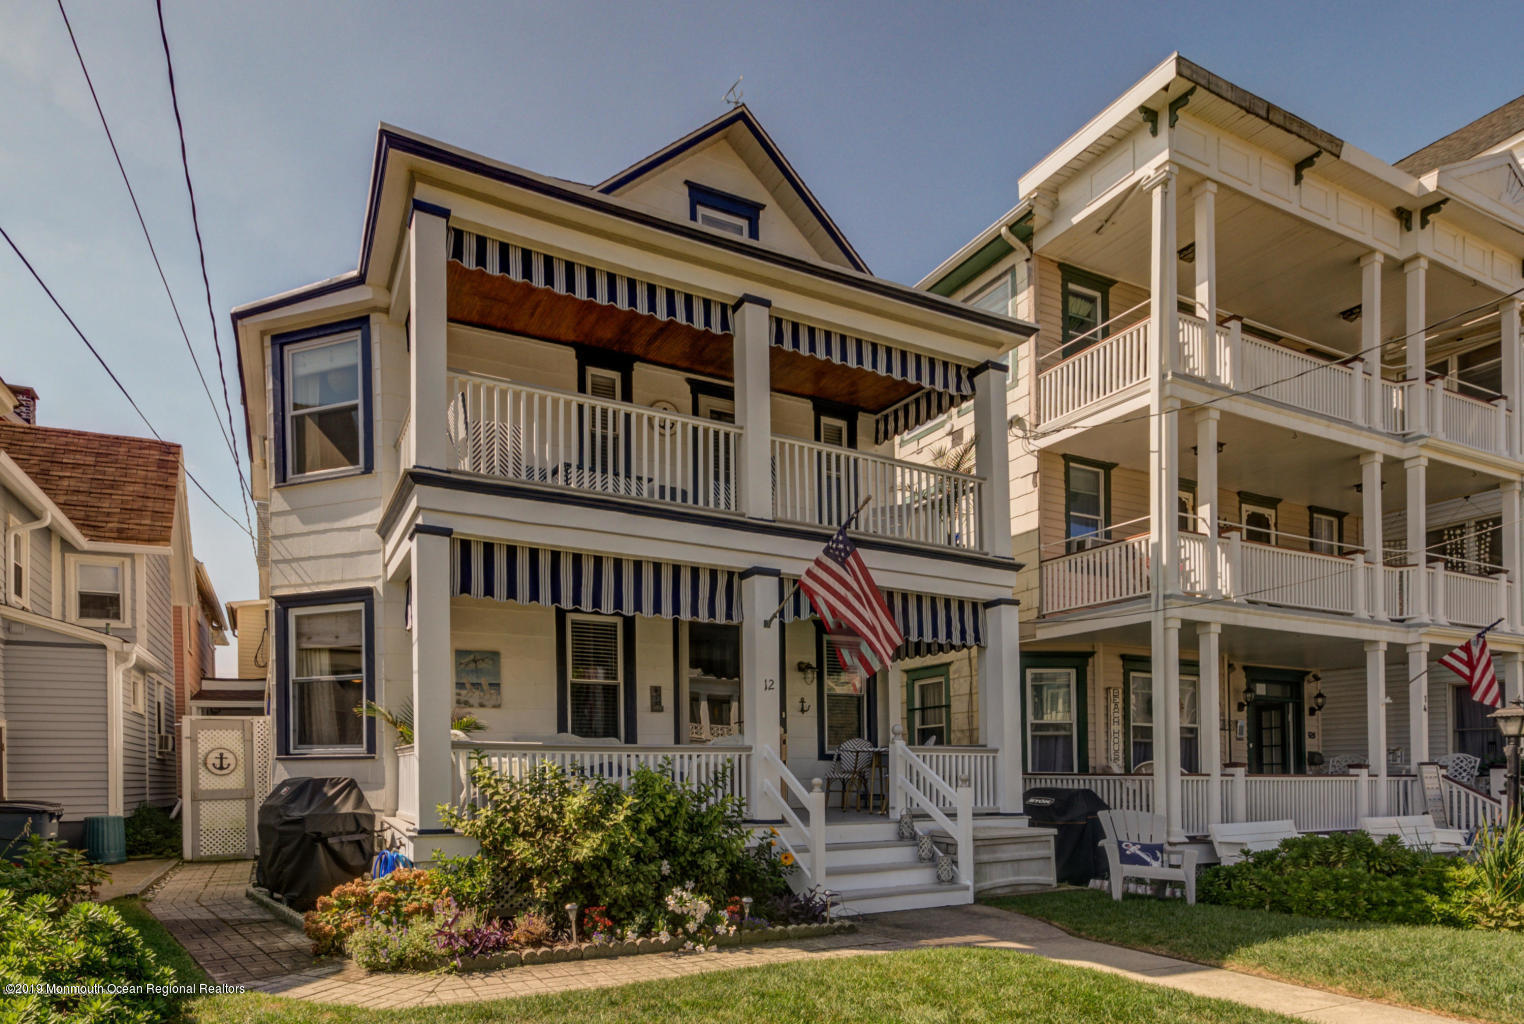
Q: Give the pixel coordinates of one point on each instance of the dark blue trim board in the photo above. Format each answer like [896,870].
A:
[737,206]
[278,345]
[363,596]
[420,206]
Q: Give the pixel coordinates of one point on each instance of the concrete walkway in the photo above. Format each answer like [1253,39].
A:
[131,877]
[237,942]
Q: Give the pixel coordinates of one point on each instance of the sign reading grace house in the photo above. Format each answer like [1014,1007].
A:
[1114,727]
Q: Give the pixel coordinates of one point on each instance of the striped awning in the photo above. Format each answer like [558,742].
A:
[587,582]
[921,407]
[584,281]
[932,624]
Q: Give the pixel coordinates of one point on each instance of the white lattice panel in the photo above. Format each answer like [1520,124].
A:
[209,742]
[264,758]
[223,828]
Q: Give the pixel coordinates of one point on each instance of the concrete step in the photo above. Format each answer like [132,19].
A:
[904,873]
[873,852]
[903,897]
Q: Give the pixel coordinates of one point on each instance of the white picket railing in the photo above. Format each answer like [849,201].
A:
[1466,420]
[978,764]
[1100,575]
[1120,792]
[1295,378]
[1097,372]
[1193,350]
[1469,808]
[693,766]
[1464,599]
[915,785]
[1398,581]
[1396,397]
[1316,803]
[778,784]
[407,783]
[1300,579]
[536,435]
[822,485]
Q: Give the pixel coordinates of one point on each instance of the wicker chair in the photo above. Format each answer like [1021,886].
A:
[854,758]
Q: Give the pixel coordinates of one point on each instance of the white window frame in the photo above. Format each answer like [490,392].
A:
[137,690]
[288,414]
[164,722]
[1031,715]
[1318,546]
[617,684]
[71,572]
[292,614]
[14,556]
[715,219]
[981,298]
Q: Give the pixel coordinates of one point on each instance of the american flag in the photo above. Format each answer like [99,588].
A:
[1473,663]
[848,602]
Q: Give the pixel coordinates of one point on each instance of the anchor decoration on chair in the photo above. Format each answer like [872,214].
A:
[1143,854]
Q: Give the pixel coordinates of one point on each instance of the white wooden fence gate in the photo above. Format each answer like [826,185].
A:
[226,765]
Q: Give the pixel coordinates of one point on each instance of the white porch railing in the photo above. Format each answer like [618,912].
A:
[1469,421]
[1316,803]
[1294,378]
[1398,581]
[1099,575]
[914,784]
[1394,406]
[1464,599]
[822,485]
[1097,372]
[978,764]
[1273,575]
[557,438]
[1193,350]
[778,784]
[1121,792]
[1469,808]
[692,765]
[407,783]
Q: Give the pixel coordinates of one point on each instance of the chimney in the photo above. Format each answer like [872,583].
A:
[26,403]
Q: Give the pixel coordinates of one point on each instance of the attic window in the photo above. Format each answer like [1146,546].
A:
[723,211]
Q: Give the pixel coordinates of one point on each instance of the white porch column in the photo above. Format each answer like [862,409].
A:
[1375,718]
[1416,271]
[1418,703]
[1370,522]
[1513,373]
[1511,564]
[753,398]
[427,335]
[1169,763]
[1206,494]
[433,672]
[1370,336]
[1000,700]
[1513,675]
[1209,710]
[992,459]
[1205,210]
[760,675]
[1163,267]
[1166,524]
[1418,534]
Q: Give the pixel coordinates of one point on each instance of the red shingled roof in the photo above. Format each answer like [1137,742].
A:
[115,489]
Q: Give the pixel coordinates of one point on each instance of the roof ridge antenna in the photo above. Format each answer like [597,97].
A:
[733,95]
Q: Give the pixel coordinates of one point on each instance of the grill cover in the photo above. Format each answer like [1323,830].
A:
[1077,852]
[314,835]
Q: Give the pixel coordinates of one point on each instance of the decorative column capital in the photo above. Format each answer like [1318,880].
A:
[1372,258]
[1371,458]
[1375,646]
[1416,264]
[1163,176]
[1204,188]
[1208,629]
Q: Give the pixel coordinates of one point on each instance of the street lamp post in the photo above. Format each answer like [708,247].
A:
[1510,721]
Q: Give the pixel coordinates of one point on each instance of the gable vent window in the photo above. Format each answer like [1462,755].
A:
[596,669]
[722,211]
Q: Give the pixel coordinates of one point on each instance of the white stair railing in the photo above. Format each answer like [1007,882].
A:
[777,783]
[1469,808]
[913,782]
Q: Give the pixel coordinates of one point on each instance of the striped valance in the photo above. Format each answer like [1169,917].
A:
[932,624]
[595,284]
[588,582]
[859,353]
[921,407]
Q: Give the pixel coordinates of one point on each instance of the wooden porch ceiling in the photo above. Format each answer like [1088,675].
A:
[499,303]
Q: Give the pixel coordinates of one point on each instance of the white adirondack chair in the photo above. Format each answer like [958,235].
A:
[1418,832]
[1234,841]
[1143,832]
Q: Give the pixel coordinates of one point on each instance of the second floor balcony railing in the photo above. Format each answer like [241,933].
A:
[560,439]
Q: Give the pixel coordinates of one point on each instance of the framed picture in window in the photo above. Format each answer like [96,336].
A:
[478,679]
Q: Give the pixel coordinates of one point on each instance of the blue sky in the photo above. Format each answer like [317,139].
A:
[911,122]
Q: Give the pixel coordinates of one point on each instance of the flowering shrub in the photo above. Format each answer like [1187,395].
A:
[597,926]
[47,867]
[406,945]
[391,902]
[694,919]
[463,936]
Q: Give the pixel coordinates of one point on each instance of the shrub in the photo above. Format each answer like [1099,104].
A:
[531,929]
[1348,876]
[151,832]
[405,945]
[394,900]
[47,867]
[88,944]
[1488,889]
[551,838]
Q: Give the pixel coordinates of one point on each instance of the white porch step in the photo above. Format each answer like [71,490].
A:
[880,851]
[903,897]
[904,872]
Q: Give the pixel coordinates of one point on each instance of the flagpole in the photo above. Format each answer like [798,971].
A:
[768,622]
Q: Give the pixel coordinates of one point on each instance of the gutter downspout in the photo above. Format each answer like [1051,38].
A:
[115,727]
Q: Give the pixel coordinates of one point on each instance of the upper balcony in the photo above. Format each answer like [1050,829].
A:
[1246,359]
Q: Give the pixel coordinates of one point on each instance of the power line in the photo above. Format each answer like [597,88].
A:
[206,283]
[112,374]
[142,223]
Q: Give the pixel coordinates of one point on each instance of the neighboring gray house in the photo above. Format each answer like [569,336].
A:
[96,556]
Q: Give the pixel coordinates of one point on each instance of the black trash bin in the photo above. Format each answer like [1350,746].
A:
[314,835]
[1077,852]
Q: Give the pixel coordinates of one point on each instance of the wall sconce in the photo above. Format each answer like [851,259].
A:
[1248,698]
[1318,700]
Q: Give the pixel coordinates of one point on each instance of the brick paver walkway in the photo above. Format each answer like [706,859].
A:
[239,942]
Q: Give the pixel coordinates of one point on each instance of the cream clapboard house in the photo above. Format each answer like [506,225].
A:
[1266,455]
[553,455]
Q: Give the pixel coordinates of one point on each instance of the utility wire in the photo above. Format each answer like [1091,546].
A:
[201,250]
[152,250]
[112,374]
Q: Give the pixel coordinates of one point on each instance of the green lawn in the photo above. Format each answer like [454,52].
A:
[1472,974]
[921,986]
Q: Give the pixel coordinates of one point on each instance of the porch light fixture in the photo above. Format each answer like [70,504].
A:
[807,670]
[1351,314]
[1510,722]
[1318,700]
[1248,697]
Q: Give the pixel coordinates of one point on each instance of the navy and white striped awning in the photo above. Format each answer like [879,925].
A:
[859,353]
[583,281]
[921,407]
[932,624]
[587,582]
